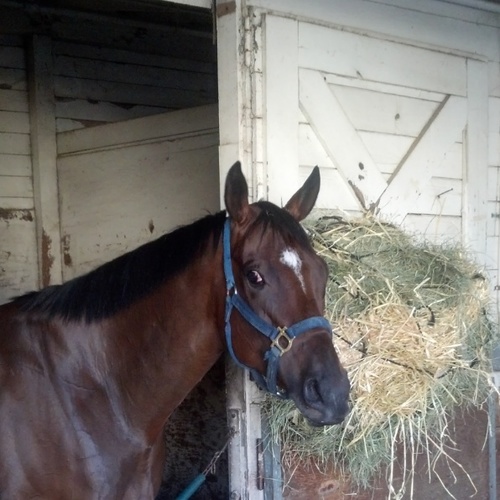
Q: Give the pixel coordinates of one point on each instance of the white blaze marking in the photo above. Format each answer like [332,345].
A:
[291,259]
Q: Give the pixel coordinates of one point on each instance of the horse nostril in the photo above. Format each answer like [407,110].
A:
[312,392]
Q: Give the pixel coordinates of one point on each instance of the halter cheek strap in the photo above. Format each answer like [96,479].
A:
[281,337]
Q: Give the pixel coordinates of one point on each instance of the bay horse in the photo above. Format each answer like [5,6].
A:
[91,370]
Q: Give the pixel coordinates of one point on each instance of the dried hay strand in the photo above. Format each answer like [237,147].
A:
[412,331]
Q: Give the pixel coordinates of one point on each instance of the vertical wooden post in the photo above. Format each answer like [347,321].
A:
[476,160]
[235,133]
[44,154]
[281,93]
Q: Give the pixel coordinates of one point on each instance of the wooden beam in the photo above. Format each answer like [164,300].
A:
[281,110]
[44,154]
[340,139]
[476,164]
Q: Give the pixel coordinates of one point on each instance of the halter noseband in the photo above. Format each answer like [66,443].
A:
[281,337]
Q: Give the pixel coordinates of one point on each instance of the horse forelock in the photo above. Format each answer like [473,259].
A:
[279,221]
[120,282]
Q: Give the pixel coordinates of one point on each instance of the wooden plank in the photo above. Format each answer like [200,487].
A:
[493,193]
[476,188]
[172,42]
[16,144]
[380,60]
[12,79]
[494,131]
[236,137]
[386,150]
[66,124]
[494,78]
[205,4]
[384,112]
[134,94]
[281,107]
[231,102]
[439,229]
[173,124]
[19,165]
[440,197]
[383,88]
[14,100]
[435,24]
[339,138]
[134,196]
[10,40]
[16,187]
[334,193]
[101,53]
[18,259]
[493,223]
[141,74]
[43,145]
[81,109]
[311,151]
[424,160]
[17,203]
[12,121]
[12,57]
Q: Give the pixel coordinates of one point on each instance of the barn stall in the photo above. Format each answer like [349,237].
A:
[399,106]
[109,139]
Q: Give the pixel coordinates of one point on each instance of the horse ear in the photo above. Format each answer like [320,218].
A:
[236,194]
[302,202]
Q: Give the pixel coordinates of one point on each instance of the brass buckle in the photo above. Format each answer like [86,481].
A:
[282,335]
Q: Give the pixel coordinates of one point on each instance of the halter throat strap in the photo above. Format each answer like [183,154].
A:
[281,337]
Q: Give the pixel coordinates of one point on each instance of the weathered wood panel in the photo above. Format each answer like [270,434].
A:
[394,123]
[323,49]
[18,257]
[111,80]
[140,179]
[18,254]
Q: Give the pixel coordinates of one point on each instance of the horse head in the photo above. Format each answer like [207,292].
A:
[275,301]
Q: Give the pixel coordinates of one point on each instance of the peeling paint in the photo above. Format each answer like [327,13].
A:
[66,241]
[16,214]
[47,259]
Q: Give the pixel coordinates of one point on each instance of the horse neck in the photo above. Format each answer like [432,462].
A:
[168,341]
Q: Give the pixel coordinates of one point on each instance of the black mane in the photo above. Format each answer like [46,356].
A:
[132,276]
[118,283]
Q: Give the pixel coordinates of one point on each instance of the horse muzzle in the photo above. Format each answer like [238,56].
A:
[323,402]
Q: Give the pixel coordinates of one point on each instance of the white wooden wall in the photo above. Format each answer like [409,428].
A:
[18,255]
[84,70]
[123,184]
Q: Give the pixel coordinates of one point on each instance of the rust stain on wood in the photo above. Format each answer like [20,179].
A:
[47,259]
[16,214]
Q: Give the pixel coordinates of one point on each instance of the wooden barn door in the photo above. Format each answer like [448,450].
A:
[397,129]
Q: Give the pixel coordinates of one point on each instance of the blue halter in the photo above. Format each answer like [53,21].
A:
[281,337]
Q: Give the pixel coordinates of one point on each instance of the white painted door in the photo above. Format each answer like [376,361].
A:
[391,102]
[396,129]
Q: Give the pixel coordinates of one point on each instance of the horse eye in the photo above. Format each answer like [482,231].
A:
[254,278]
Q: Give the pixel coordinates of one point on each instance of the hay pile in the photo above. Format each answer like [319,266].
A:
[412,331]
